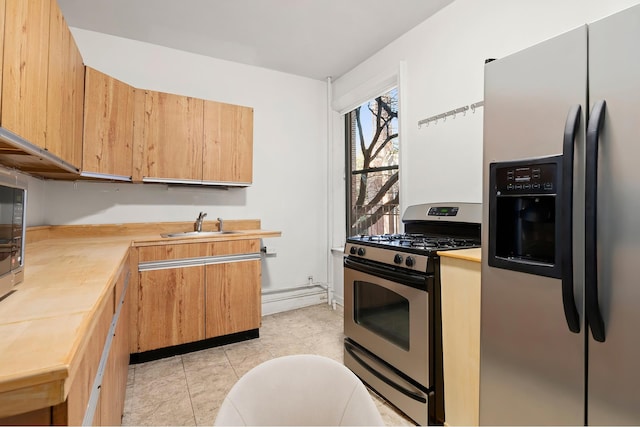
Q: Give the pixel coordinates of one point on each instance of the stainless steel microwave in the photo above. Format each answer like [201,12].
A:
[13,199]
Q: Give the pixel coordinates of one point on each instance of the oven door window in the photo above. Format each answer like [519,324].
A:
[382,312]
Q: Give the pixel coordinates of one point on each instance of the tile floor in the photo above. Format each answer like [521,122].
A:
[189,389]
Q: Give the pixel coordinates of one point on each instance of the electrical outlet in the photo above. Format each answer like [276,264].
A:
[310,278]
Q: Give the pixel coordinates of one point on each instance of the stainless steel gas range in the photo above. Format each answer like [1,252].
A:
[392,318]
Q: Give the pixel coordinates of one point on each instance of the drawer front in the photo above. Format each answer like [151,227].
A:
[166,252]
[229,247]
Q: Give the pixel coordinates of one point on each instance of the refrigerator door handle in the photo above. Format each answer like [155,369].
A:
[566,225]
[594,315]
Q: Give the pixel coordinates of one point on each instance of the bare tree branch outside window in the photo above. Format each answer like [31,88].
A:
[374,192]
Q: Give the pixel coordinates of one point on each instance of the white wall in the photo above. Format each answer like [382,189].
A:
[290,152]
[441,65]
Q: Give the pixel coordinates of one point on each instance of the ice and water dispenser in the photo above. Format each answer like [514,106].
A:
[524,213]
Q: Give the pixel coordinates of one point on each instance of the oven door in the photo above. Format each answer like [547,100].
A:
[387,312]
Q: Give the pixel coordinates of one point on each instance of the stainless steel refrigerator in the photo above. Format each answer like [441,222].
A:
[560,316]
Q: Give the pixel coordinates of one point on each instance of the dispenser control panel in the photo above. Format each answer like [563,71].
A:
[537,178]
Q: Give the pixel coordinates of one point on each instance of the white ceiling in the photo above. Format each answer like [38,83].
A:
[311,38]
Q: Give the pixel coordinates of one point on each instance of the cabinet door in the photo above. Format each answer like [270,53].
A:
[108,125]
[3,4]
[114,382]
[233,298]
[172,137]
[26,58]
[228,143]
[72,411]
[39,417]
[65,92]
[460,297]
[170,307]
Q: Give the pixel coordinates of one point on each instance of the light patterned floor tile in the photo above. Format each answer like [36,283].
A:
[189,389]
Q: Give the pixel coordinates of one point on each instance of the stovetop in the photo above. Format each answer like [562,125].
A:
[429,228]
[416,241]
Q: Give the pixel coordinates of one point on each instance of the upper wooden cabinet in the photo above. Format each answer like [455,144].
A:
[190,140]
[108,127]
[42,85]
[25,67]
[170,137]
[3,5]
[65,92]
[228,143]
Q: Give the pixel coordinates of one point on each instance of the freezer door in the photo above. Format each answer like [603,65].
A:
[613,365]
[531,364]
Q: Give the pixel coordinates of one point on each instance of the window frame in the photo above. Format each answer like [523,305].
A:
[349,122]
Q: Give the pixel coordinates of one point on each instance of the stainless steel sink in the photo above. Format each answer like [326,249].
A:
[197,233]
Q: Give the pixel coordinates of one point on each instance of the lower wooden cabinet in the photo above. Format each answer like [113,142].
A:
[93,397]
[39,417]
[170,307]
[460,278]
[233,298]
[73,410]
[190,292]
[100,399]
[114,383]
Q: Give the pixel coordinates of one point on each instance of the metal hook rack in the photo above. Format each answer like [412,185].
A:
[451,113]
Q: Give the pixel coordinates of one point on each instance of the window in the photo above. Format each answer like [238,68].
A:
[372,166]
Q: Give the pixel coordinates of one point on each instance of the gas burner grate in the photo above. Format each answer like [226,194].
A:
[418,241]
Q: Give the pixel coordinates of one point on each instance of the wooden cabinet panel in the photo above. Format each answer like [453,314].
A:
[172,136]
[85,381]
[112,392]
[122,360]
[167,252]
[233,298]
[25,66]
[170,307]
[231,247]
[187,304]
[228,143]
[3,4]
[134,288]
[39,417]
[139,97]
[108,125]
[65,92]
[73,410]
[461,340]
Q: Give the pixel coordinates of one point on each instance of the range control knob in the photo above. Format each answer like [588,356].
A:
[410,261]
[353,250]
[397,259]
[361,251]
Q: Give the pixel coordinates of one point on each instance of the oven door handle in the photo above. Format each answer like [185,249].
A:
[406,278]
[351,349]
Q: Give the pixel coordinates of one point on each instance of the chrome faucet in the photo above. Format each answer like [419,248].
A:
[220,224]
[197,226]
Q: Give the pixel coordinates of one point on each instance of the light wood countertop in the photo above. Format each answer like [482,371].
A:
[473,254]
[45,323]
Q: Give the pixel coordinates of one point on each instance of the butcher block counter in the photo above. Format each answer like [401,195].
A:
[71,274]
